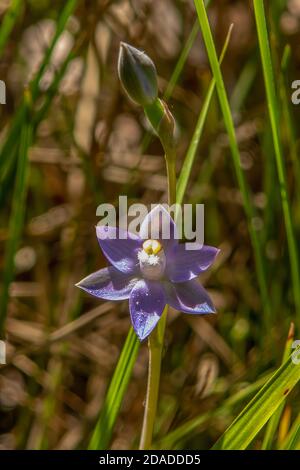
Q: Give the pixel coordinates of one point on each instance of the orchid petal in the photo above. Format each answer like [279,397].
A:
[147,302]
[120,248]
[189,297]
[184,265]
[108,284]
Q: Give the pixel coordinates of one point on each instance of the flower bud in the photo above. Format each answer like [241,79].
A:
[137,74]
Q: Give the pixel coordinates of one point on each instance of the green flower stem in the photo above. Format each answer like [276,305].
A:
[156,339]
[155,345]
[171,172]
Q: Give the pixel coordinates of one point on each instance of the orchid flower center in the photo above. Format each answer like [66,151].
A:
[152,260]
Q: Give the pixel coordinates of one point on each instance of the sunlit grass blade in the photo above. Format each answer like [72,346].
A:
[104,428]
[284,425]
[228,121]
[260,409]
[273,107]
[292,441]
[8,22]
[192,427]
[16,219]
[191,152]
[274,421]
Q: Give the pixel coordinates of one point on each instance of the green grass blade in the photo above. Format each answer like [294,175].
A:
[273,107]
[228,121]
[8,22]
[104,428]
[191,152]
[292,441]
[255,415]
[16,219]
[181,61]
[274,421]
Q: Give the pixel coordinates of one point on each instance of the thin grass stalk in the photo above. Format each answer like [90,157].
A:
[273,107]
[181,61]
[292,440]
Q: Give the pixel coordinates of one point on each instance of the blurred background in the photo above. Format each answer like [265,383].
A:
[86,144]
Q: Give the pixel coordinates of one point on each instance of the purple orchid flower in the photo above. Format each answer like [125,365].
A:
[151,273]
